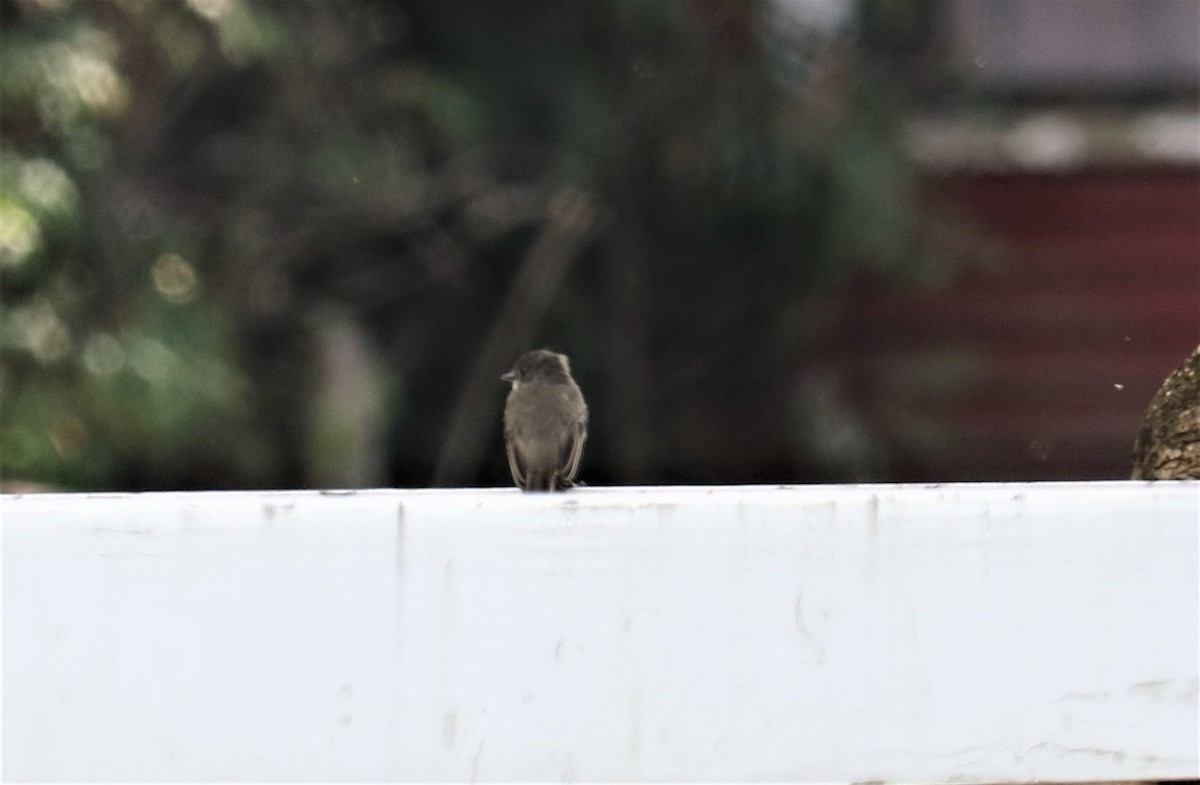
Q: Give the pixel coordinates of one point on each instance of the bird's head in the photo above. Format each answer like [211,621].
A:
[540,365]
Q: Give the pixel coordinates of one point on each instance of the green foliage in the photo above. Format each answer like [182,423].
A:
[115,369]
[183,185]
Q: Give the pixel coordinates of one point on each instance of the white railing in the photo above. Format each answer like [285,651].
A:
[955,633]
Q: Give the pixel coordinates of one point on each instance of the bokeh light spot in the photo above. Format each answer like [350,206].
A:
[68,436]
[103,355]
[47,184]
[174,279]
[211,9]
[97,83]
[151,360]
[19,234]
[40,330]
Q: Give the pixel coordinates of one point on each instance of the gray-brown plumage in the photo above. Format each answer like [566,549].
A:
[545,422]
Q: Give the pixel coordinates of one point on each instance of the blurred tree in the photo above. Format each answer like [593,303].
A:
[220,220]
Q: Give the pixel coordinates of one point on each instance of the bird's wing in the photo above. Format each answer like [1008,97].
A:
[573,452]
[514,464]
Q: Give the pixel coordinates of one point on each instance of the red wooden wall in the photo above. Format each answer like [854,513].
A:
[1039,364]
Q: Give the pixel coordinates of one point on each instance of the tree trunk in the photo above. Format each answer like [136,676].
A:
[1168,446]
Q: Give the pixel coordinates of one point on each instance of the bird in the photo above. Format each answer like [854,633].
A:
[545,422]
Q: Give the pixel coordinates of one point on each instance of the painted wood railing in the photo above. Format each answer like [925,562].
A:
[952,633]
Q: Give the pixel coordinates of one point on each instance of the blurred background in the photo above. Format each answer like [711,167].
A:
[294,243]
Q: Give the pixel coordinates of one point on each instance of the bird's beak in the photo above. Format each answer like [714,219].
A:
[508,377]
